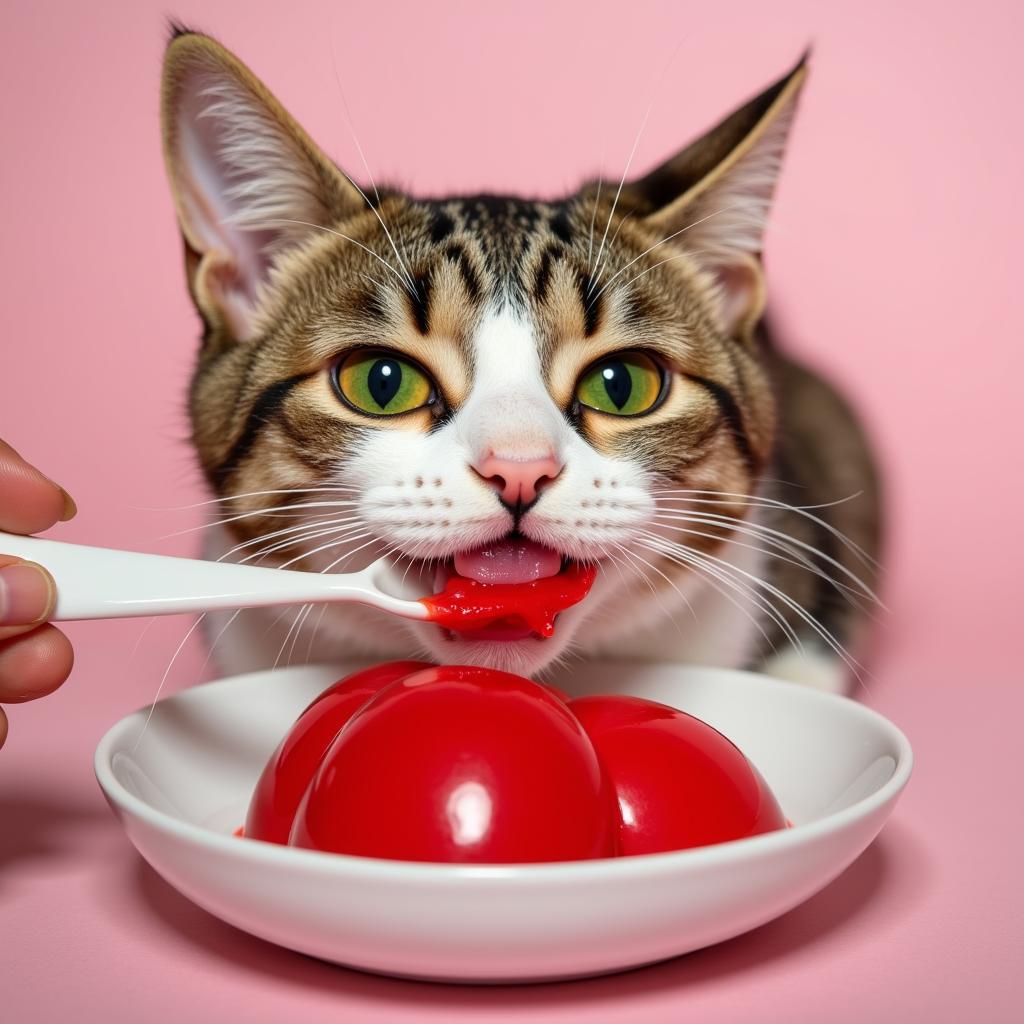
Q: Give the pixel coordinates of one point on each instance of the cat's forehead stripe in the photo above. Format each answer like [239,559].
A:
[528,254]
[504,228]
[457,255]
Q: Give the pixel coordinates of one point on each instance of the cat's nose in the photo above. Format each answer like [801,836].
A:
[518,481]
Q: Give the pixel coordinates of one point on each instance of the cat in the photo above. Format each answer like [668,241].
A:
[505,381]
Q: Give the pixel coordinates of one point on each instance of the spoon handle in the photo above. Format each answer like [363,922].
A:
[104,583]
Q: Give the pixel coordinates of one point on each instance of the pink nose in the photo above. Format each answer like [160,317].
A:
[518,482]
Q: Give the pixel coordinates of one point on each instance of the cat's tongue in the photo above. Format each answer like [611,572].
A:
[508,561]
[509,590]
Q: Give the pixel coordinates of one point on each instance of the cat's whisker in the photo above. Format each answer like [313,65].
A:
[288,634]
[617,562]
[668,614]
[786,507]
[366,166]
[270,512]
[771,548]
[627,584]
[267,550]
[338,488]
[406,283]
[739,498]
[349,534]
[261,553]
[721,568]
[596,273]
[276,621]
[668,259]
[300,531]
[636,570]
[351,125]
[753,528]
[408,567]
[278,545]
[593,219]
[277,514]
[304,612]
[377,214]
[394,247]
[618,228]
[689,559]
[337,532]
[332,544]
[824,633]
[238,497]
[138,640]
[300,623]
[777,540]
[749,499]
[163,678]
[723,584]
[625,550]
[383,285]
[315,630]
[323,609]
[216,640]
[428,564]
[307,520]
[668,238]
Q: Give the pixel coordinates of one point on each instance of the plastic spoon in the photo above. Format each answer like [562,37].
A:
[104,583]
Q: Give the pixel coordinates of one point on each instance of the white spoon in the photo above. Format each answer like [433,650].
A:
[103,583]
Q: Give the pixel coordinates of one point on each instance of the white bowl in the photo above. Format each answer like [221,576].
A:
[836,767]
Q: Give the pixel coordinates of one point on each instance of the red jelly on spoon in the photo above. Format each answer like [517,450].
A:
[509,589]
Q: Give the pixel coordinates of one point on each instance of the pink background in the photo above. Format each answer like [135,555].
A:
[892,263]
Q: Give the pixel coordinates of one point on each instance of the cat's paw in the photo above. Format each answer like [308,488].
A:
[817,669]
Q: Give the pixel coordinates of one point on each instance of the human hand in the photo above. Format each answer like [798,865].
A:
[35,657]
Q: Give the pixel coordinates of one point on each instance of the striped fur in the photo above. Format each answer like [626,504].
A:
[505,301]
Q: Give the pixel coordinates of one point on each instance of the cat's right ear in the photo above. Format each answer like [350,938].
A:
[248,182]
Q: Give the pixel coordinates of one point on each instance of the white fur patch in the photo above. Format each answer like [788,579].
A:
[814,668]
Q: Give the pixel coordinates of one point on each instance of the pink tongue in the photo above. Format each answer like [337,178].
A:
[509,561]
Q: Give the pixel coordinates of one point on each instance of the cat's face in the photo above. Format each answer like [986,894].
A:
[436,378]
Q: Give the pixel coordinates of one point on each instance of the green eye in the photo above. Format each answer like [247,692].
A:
[383,384]
[626,384]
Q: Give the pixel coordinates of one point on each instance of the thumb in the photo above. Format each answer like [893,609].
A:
[27,595]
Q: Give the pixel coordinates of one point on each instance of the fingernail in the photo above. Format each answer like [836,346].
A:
[26,594]
[70,508]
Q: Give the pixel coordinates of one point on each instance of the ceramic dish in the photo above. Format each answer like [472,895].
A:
[836,767]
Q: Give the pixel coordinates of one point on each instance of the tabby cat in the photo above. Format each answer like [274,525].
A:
[492,384]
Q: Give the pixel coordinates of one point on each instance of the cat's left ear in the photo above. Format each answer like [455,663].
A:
[248,182]
[713,198]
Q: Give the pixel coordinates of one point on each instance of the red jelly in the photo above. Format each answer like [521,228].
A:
[461,764]
[679,783]
[464,764]
[288,772]
[466,605]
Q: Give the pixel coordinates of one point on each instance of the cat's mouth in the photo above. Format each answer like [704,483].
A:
[508,590]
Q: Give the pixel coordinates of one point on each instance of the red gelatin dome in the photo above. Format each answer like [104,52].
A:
[461,764]
[679,783]
[288,772]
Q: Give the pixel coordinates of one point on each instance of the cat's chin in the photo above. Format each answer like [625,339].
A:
[525,656]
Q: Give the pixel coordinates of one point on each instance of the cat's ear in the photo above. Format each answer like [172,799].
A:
[247,180]
[713,198]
